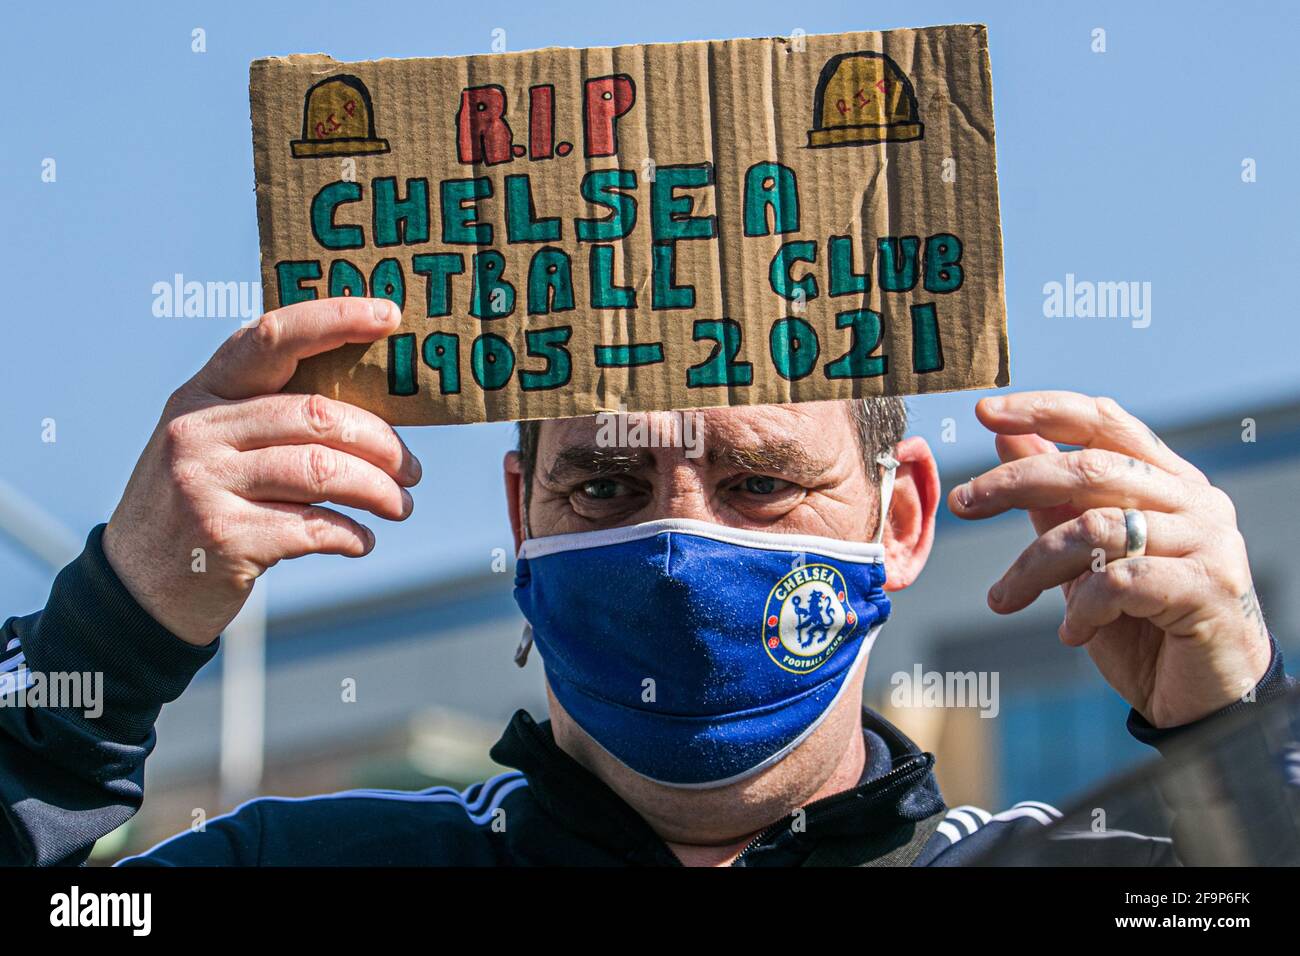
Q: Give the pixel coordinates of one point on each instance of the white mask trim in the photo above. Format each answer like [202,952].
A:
[857,551]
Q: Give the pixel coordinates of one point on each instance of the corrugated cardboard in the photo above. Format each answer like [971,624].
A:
[814,217]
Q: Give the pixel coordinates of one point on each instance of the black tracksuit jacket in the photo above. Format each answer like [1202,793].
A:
[66,780]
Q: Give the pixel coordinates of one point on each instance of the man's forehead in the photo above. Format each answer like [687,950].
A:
[804,430]
[727,422]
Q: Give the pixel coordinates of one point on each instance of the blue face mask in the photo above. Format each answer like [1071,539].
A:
[698,654]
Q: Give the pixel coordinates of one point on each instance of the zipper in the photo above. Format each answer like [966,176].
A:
[915,765]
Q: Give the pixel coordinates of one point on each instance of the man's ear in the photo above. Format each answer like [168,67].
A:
[909,534]
[514,475]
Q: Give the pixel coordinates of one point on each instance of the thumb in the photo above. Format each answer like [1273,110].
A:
[261,359]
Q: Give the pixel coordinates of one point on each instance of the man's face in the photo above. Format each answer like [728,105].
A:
[783,468]
[794,469]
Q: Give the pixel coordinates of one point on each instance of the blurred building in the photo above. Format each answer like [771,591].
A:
[411,688]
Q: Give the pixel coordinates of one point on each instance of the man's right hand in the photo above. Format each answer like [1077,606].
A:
[237,470]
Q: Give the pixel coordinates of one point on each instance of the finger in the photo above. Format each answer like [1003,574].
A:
[1165,591]
[298,530]
[1086,543]
[308,474]
[262,358]
[1075,419]
[270,420]
[1015,447]
[1082,479]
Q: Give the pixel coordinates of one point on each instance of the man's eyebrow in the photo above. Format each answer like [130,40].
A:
[587,461]
[783,457]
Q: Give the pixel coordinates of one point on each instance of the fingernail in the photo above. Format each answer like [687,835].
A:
[995,593]
[370,536]
[994,404]
[963,494]
[414,469]
[382,309]
[408,503]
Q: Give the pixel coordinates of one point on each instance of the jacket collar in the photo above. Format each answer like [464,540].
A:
[897,789]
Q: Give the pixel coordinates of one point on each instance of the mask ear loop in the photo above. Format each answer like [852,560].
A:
[890,465]
[525,645]
[525,639]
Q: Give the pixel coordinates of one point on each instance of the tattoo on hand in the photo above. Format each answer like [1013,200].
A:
[1250,607]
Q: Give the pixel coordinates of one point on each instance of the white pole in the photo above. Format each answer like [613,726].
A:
[243,700]
[34,530]
[243,664]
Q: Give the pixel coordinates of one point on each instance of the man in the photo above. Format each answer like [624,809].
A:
[692,718]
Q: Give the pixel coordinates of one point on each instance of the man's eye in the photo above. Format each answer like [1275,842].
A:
[601,488]
[763,485]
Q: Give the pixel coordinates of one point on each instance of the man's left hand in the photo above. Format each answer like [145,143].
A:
[1178,631]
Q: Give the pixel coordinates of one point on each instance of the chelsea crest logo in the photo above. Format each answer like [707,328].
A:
[808,616]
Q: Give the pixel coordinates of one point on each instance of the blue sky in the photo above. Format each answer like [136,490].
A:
[1116,166]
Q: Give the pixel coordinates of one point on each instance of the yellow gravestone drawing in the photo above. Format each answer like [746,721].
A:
[338,120]
[863,98]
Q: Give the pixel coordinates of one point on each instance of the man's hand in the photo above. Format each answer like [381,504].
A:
[237,470]
[1178,631]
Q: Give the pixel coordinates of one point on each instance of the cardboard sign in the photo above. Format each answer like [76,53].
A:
[643,227]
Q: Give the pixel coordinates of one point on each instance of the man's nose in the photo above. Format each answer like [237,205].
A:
[681,490]
[681,497]
[680,475]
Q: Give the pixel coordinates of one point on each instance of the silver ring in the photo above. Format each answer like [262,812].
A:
[1135,533]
